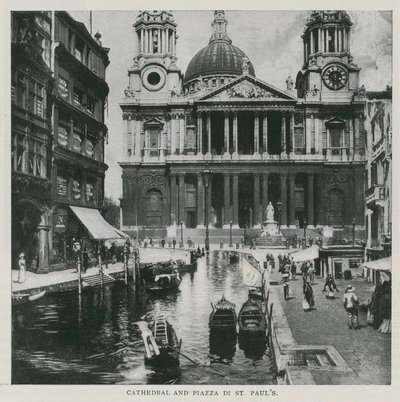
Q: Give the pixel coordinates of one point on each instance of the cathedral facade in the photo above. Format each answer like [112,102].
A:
[302,148]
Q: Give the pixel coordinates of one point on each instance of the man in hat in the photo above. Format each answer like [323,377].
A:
[350,303]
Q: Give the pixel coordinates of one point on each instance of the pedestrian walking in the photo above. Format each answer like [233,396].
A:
[331,285]
[311,272]
[286,290]
[308,300]
[162,242]
[113,253]
[351,303]
[293,270]
[286,271]
[85,260]
[22,268]
[173,242]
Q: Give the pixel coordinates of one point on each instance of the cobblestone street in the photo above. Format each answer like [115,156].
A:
[366,350]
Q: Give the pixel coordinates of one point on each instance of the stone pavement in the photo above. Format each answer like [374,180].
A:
[367,351]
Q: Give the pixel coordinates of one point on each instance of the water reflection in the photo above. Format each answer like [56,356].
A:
[71,340]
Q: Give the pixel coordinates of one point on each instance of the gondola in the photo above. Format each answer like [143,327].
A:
[163,282]
[22,298]
[223,316]
[233,258]
[167,342]
[251,317]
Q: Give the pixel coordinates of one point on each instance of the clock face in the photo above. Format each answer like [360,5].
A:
[335,76]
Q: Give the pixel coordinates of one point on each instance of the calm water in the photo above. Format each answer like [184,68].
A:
[56,341]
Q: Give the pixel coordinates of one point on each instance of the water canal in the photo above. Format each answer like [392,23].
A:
[57,342]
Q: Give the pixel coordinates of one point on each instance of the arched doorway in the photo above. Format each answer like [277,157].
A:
[336,207]
[154,207]
[28,219]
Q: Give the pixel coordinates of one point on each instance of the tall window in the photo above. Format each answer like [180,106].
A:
[62,134]
[30,165]
[336,207]
[90,193]
[89,148]
[78,95]
[90,105]
[335,136]
[78,52]
[76,189]
[61,186]
[63,87]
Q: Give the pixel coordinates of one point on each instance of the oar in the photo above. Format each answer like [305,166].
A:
[186,357]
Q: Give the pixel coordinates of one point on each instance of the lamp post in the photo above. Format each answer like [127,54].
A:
[206,180]
[181,233]
[305,232]
[230,234]
[354,231]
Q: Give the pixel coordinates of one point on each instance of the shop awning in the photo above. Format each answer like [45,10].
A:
[310,253]
[96,225]
[383,264]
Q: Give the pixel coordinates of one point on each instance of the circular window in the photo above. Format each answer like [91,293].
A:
[153,78]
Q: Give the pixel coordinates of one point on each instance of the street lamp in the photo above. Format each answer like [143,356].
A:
[305,232]
[206,180]
[181,233]
[230,234]
[354,231]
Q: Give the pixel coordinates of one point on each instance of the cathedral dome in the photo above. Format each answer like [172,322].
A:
[220,57]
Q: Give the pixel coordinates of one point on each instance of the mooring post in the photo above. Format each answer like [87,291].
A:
[126,267]
[100,265]
[79,268]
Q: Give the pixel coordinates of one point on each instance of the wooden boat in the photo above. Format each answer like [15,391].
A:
[21,298]
[167,342]
[251,317]
[233,258]
[253,276]
[163,282]
[223,316]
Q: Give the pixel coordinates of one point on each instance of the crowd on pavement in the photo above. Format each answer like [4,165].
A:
[379,305]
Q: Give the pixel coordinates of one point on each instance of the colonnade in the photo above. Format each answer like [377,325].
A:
[157,40]
[261,197]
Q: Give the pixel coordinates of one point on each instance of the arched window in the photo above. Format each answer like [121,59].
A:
[336,207]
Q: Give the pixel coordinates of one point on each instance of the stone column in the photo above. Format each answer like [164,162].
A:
[308,134]
[235,200]
[356,137]
[336,40]
[173,135]
[326,40]
[265,134]
[200,202]
[181,179]
[256,208]
[181,134]
[317,134]
[137,138]
[227,200]
[292,204]
[256,133]
[369,213]
[312,50]
[351,138]
[283,135]
[146,143]
[283,179]
[199,133]
[226,132]
[174,204]
[291,145]
[310,201]
[208,133]
[320,46]
[44,246]
[235,133]
[209,204]
[125,136]
[264,196]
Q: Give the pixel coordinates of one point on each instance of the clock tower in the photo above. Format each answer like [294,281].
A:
[328,74]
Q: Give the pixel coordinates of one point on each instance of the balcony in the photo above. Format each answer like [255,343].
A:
[337,153]
[375,194]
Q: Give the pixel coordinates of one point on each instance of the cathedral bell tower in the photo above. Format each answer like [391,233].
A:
[328,71]
[154,74]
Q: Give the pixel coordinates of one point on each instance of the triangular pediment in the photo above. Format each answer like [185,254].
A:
[153,122]
[247,88]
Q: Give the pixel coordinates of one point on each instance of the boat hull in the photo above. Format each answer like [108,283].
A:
[252,318]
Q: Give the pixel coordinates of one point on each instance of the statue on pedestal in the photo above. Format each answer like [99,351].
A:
[270,212]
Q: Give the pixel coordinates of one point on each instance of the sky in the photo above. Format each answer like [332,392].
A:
[271,40]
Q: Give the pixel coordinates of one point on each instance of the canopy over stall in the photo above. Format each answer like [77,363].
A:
[96,225]
[383,265]
[307,254]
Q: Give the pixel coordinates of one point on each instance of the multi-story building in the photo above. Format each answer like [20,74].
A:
[31,136]
[304,151]
[78,168]
[59,94]
[378,177]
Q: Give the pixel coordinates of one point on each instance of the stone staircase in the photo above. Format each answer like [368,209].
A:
[95,280]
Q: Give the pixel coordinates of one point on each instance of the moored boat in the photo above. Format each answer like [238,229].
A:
[223,316]
[167,342]
[21,298]
[164,282]
[251,317]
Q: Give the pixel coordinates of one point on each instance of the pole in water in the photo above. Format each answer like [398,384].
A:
[100,265]
[126,268]
[79,275]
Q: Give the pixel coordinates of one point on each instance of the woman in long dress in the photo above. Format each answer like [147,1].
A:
[385,311]
[308,301]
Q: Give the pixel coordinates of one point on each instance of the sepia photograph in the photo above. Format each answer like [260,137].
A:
[201,197]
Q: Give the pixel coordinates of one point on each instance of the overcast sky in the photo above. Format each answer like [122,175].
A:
[271,40]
